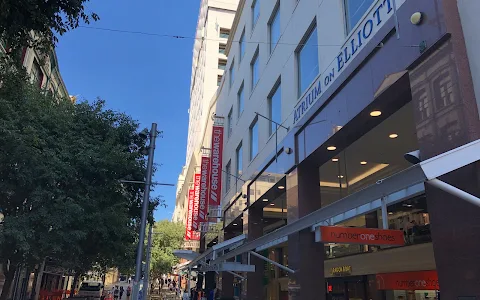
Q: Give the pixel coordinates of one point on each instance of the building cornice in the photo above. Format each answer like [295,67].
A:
[233,30]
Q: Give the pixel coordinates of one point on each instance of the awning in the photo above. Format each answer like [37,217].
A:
[426,171]
[186,254]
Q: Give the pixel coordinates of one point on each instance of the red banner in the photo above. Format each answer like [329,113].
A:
[365,236]
[418,280]
[188,230]
[196,202]
[215,191]
[204,188]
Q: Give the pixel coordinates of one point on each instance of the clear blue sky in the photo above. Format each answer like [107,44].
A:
[147,77]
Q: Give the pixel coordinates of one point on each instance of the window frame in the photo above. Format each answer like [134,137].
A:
[253,125]
[276,88]
[308,34]
[228,173]
[231,73]
[230,122]
[240,100]
[222,62]
[255,62]
[255,6]
[273,16]
[224,31]
[241,45]
[239,160]
[348,26]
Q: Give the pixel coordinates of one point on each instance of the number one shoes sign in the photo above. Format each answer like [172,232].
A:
[215,190]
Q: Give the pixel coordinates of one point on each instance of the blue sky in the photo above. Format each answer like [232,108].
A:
[147,77]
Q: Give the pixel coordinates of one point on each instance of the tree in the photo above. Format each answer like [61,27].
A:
[34,22]
[60,190]
[167,237]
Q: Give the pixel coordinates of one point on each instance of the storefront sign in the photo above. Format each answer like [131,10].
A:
[215,191]
[363,33]
[204,187]
[196,201]
[191,244]
[341,271]
[365,236]
[188,227]
[421,280]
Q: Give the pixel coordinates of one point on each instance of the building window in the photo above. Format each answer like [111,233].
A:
[240,100]
[274,27]
[242,44]
[219,80]
[36,74]
[222,64]
[254,70]
[255,12]
[253,139]
[307,61]
[275,107]
[239,160]
[221,49]
[354,11]
[224,33]
[232,73]
[228,171]
[229,122]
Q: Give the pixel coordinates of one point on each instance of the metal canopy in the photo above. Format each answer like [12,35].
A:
[186,254]
[426,171]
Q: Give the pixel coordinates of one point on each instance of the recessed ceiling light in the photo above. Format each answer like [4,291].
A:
[375,113]
[265,200]
[393,136]
[390,213]
[281,187]
[214,242]
[272,204]
[340,176]
[334,159]
[331,148]
[235,224]
[363,162]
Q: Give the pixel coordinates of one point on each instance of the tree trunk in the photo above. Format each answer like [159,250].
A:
[74,284]
[9,275]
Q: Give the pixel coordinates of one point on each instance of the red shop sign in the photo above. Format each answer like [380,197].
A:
[204,188]
[420,280]
[196,201]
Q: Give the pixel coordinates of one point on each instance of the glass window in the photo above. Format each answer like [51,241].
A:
[253,139]
[254,70]
[37,74]
[239,159]
[240,100]
[229,122]
[224,33]
[219,80]
[307,61]
[242,44]
[228,175]
[222,64]
[274,28]
[232,73]
[221,49]
[275,108]
[255,12]
[354,10]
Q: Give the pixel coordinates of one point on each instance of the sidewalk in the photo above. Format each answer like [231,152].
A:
[164,294]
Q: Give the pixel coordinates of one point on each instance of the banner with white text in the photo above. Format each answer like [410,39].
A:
[188,227]
[216,156]
[204,188]
[196,201]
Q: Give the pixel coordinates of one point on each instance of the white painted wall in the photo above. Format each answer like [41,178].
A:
[469,11]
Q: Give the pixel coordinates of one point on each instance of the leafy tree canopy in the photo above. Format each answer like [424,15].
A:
[168,237]
[19,19]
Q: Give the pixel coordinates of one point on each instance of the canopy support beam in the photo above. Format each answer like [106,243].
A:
[272,262]
[442,185]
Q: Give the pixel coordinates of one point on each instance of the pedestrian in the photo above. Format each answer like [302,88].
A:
[121,292]
[186,296]
[129,292]
[152,288]
[116,292]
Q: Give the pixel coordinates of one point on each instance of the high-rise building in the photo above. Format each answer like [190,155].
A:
[209,61]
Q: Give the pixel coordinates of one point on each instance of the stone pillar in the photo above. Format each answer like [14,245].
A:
[442,88]
[305,256]
[252,288]
[227,278]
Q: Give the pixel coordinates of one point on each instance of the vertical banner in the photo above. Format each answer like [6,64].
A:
[196,202]
[188,229]
[215,191]
[204,189]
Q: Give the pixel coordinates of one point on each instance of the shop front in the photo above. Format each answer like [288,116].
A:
[420,285]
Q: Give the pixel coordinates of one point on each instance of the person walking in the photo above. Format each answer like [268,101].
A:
[121,292]
[116,293]
[186,296]
[129,292]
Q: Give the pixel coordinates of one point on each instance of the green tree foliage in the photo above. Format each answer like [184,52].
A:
[168,237]
[19,19]
[60,171]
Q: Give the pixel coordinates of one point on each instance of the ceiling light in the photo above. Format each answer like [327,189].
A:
[265,200]
[331,148]
[214,242]
[390,213]
[334,159]
[272,204]
[235,224]
[375,113]
[393,136]
[281,187]
[340,176]
[363,162]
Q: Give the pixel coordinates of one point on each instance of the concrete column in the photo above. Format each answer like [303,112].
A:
[252,288]
[304,255]
[226,280]
[442,85]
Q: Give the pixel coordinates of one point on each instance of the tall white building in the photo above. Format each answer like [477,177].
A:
[209,61]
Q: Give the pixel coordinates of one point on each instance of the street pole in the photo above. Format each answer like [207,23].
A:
[146,201]
[147,263]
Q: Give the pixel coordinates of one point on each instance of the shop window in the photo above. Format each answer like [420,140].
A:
[354,11]
[333,250]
